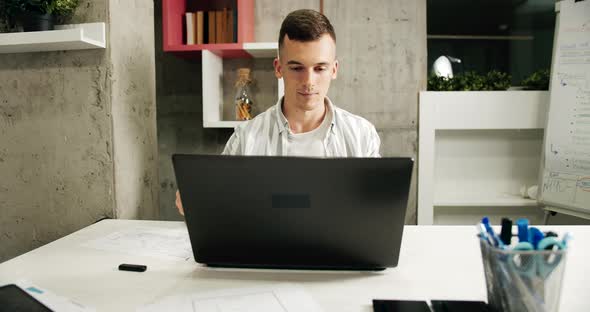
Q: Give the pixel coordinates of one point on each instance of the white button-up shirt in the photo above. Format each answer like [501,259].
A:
[267,135]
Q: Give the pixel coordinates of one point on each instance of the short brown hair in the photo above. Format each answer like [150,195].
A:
[305,25]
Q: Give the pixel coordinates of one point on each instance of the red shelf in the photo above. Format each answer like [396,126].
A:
[172,21]
[224,50]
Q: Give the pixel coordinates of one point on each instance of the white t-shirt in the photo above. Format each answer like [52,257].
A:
[348,135]
[310,144]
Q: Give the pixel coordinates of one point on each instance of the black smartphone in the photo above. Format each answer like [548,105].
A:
[400,306]
[459,306]
[13,298]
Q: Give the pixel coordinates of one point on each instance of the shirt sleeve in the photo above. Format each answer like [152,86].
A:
[374,143]
[232,147]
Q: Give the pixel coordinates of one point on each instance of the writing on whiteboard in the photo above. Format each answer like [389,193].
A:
[558,186]
[566,166]
[574,53]
[567,188]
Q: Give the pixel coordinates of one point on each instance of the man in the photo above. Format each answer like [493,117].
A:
[304,122]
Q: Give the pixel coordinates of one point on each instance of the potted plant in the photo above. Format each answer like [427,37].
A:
[36,15]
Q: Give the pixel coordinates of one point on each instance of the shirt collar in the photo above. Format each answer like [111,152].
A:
[283,123]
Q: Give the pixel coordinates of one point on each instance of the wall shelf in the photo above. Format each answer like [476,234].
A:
[262,49]
[484,200]
[213,56]
[477,149]
[213,93]
[224,50]
[64,37]
[230,50]
[173,26]
[472,37]
[221,124]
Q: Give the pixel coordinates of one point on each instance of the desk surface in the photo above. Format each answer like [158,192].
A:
[436,262]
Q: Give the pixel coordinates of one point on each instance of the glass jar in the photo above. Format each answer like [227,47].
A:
[243,98]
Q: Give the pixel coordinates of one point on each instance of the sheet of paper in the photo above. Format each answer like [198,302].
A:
[51,300]
[171,244]
[273,298]
[177,303]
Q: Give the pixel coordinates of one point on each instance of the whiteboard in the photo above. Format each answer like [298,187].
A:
[565,165]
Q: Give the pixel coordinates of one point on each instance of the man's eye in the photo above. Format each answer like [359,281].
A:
[320,69]
[296,68]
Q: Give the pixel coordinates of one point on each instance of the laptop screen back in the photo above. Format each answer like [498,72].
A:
[345,213]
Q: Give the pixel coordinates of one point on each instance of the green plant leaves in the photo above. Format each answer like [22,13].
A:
[18,7]
[538,80]
[493,80]
[470,81]
[13,8]
[65,7]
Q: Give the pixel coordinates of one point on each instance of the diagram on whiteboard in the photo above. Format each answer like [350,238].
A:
[566,174]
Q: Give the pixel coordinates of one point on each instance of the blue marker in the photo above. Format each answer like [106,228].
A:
[535,236]
[523,230]
[497,241]
[483,235]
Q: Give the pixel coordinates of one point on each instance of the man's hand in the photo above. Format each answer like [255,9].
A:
[179,203]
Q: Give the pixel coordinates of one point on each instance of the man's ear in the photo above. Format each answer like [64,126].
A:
[278,69]
[335,70]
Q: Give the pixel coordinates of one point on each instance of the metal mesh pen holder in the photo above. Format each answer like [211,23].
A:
[523,280]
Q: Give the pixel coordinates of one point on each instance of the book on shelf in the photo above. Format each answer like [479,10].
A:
[219,19]
[211,27]
[235,21]
[190,27]
[229,31]
[218,26]
[224,25]
[199,27]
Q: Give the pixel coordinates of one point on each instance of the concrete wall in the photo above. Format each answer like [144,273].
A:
[55,142]
[381,45]
[382,51]
[61,127]
[132,81]
[179,116]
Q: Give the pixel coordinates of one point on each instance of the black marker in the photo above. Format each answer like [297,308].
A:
[551,234]
[506,232]
[132,267]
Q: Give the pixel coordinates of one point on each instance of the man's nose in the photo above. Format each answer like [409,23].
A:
[308,78]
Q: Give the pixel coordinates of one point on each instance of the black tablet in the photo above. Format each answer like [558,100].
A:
[459,306]
[13,298]
[400,306]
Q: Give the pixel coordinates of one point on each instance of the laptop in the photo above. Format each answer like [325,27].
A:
[294,213]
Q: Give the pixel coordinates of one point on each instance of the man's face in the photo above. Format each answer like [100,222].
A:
[307,68]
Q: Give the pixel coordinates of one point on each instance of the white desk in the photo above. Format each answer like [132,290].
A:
[436,262]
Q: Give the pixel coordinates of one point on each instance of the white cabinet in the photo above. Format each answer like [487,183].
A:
[477,149]
[213,83]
